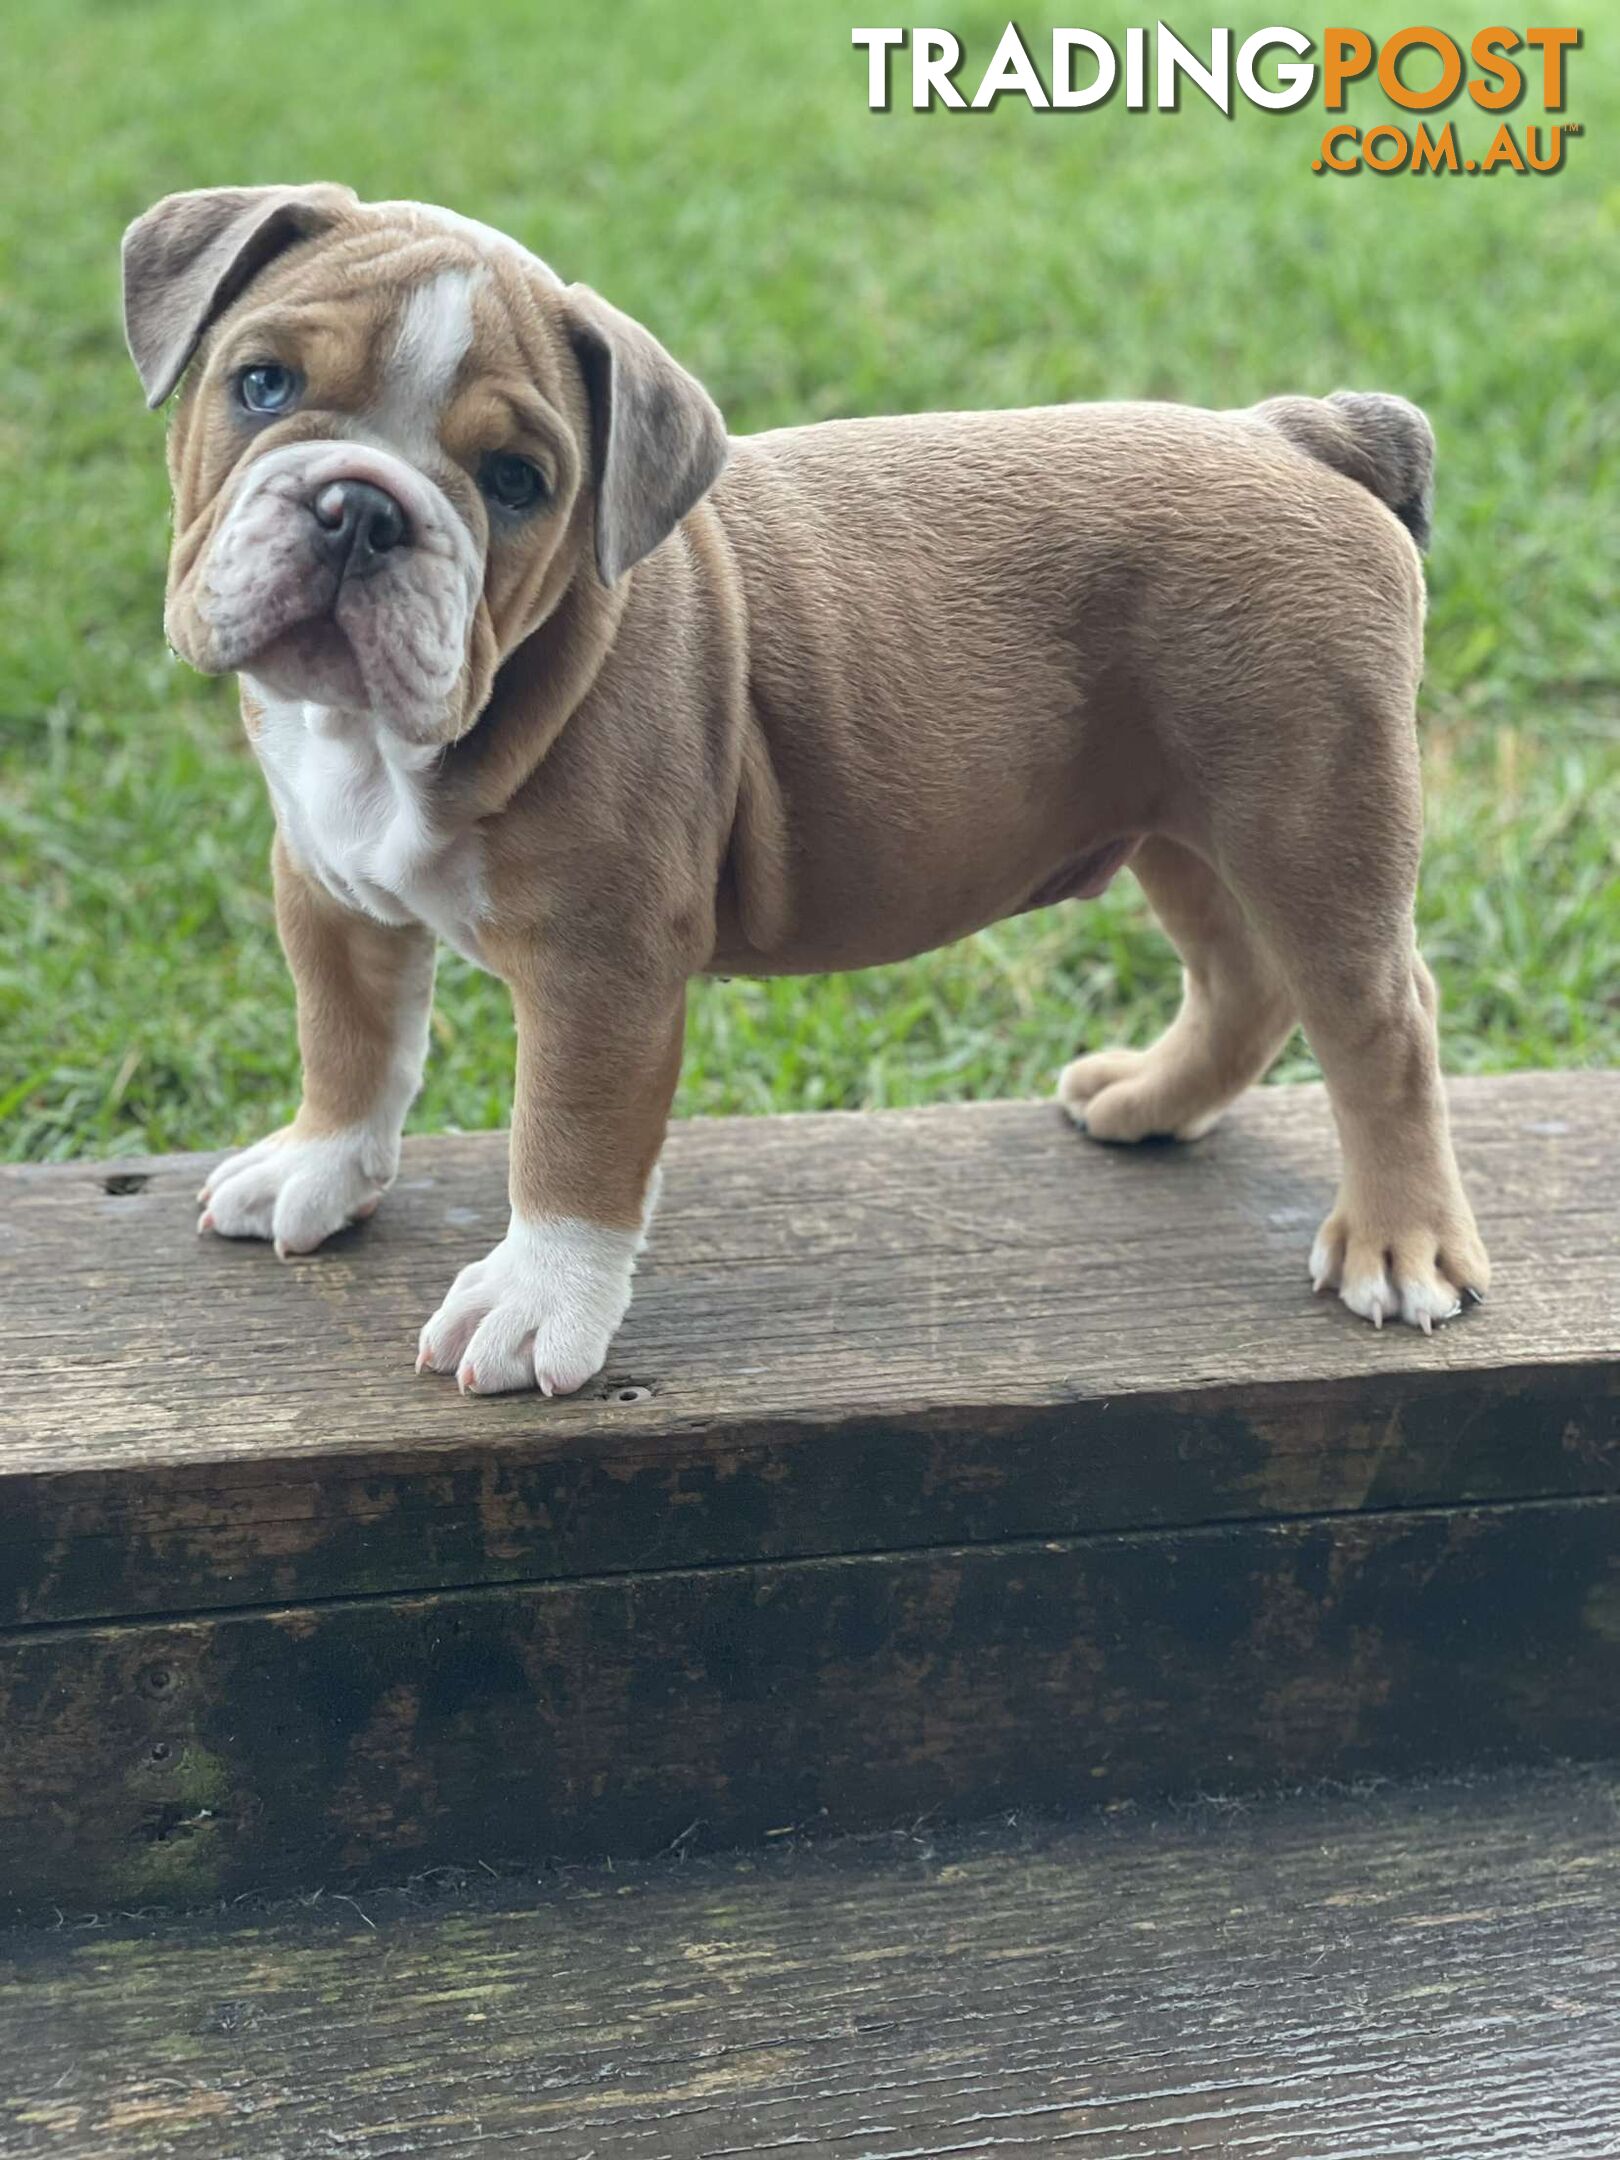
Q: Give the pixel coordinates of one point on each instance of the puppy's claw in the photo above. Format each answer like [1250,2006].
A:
[205,1221]
[1425,1323]
[1474,1297]
[467,1380]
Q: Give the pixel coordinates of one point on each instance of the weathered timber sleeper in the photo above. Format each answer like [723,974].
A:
[946,1463]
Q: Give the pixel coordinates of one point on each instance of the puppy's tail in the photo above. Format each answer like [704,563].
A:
[1382,442]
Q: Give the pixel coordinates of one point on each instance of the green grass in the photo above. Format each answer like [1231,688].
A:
[715,170]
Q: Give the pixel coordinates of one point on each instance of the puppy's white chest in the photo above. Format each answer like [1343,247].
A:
[358,809]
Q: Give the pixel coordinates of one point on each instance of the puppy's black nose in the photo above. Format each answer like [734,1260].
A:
[358,524]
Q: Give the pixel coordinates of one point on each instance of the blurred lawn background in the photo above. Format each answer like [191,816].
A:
[715,170]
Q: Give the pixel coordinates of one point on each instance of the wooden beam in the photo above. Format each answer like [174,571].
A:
[183,1761]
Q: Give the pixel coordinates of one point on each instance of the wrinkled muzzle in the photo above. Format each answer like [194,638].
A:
[340,575]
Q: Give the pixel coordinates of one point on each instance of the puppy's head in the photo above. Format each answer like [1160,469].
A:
[401,436]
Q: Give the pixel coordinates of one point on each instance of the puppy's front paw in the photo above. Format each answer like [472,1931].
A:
[540,1311]
[296,1191]
[1421,1271]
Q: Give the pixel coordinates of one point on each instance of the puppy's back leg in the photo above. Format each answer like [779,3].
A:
[1236,1014]
[1327,870]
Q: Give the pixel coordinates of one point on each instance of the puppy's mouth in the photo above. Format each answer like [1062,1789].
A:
[312,661]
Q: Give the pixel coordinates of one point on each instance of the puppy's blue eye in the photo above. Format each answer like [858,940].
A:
[511,481]
[267,388]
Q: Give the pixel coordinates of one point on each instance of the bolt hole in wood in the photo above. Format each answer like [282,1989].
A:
[124,1182]
[628,1393]
[159,1680]
[226,2017]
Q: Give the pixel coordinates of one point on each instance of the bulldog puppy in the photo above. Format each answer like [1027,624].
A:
[538,663]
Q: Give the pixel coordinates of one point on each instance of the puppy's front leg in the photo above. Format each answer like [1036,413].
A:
[596,1070]
[365,991]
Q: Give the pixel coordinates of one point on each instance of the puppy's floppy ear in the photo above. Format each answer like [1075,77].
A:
[660,443]
[186,260]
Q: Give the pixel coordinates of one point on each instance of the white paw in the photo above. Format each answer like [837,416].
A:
[297,1192]
[1422,1277]
[539,1311]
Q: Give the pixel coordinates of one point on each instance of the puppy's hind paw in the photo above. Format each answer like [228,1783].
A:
[1091,1075]
[1123,1096]
[1422,1277]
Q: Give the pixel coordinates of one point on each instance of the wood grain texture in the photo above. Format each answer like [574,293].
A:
[180,1761]
[1430,1974]
[850,1334]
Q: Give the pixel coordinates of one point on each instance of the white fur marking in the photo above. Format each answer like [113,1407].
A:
[434,333]
[356,805]
[541,1310]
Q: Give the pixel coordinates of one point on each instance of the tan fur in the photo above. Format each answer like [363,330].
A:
[349,972]
[887,682]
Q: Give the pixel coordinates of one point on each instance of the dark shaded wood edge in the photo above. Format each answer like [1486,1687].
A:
[180,1761]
